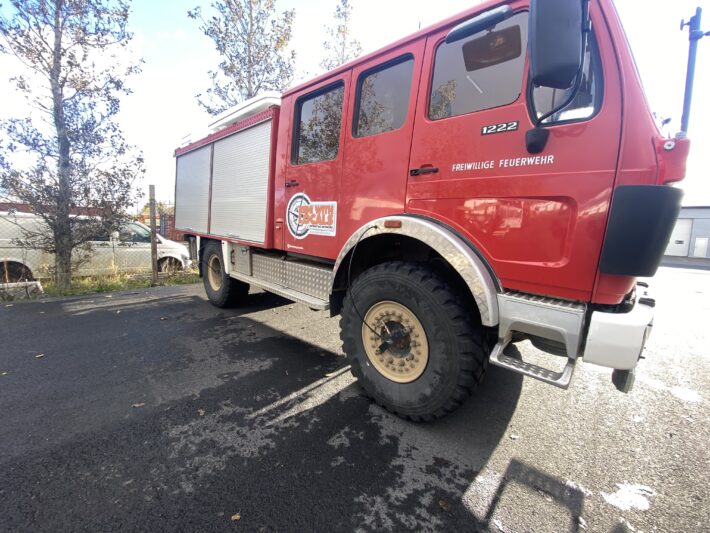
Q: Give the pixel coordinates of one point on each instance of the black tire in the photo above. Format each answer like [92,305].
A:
[11,272]
[169,265]
[457,357]
[229,291]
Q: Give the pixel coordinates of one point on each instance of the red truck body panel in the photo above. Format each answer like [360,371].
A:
[539,220]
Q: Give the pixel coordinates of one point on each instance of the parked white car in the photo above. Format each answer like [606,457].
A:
[125,251]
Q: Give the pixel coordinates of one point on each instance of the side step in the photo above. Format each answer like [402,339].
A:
[558,379]
[290,294]
[300,281]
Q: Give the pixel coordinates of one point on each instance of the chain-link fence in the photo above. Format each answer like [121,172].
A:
[126,251]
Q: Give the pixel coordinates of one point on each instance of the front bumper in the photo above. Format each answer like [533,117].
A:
[616,340]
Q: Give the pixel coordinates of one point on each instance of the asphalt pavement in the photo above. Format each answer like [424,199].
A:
[154,411]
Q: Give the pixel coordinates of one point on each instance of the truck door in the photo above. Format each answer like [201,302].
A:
[314,168]
[378,136]
[538,219]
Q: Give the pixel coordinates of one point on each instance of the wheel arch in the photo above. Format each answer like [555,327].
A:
[170,255]
[13,262]
[418,238]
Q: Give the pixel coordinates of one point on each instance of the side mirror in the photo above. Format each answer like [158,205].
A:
[556,32]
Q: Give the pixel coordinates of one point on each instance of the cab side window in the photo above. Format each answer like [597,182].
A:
[317,126]
[383,98]
[480,72]
[587,101]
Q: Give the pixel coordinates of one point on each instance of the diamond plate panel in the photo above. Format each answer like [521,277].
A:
[306,278]
[267,268]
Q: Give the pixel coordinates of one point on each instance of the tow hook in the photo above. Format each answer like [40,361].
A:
[624,380]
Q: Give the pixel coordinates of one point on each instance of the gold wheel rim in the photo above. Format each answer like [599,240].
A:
[214,273]
[401,362]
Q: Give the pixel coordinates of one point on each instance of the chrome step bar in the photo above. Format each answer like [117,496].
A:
[558,379]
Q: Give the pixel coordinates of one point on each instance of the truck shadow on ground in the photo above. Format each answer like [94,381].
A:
[242,423]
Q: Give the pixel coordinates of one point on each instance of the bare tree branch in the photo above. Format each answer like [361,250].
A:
[253,40]
[80,159]
[340,46]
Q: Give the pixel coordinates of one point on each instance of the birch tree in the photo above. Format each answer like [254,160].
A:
[252,39]
[340,47]
[67,153]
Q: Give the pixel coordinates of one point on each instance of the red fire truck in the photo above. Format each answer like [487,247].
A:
[492,178]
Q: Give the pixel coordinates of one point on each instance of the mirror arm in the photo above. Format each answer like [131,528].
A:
[536,138]
[586,19]
[565,103]
[586,29]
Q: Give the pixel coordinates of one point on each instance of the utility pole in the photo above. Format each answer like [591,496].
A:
[153,237]
[695,33]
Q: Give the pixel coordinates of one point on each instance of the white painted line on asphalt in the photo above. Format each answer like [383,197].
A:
[630,496]
[682,393]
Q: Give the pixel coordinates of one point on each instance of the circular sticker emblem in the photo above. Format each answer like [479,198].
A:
[296,225]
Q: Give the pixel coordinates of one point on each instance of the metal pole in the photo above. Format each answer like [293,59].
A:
[153,238]
[695,34]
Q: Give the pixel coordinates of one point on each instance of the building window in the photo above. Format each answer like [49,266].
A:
[587,101]
[480,72]
[383,98]
[317,125]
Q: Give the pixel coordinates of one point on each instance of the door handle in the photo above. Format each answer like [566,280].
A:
[291,183]
[423,170]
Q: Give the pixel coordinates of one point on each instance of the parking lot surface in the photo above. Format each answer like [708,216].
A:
[154,411]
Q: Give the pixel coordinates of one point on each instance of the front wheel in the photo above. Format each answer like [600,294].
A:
[169,265]
[222,290]
[412,345]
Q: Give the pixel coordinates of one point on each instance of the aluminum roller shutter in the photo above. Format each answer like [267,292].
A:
[240,180]
[192,190]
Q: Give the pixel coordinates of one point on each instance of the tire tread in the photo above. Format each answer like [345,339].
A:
[472,356]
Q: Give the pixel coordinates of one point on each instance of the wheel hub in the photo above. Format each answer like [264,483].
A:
[214,273]
[395,342]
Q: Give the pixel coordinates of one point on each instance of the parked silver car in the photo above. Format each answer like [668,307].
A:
[127,250]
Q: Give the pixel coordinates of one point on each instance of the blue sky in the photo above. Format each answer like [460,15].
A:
[177,56]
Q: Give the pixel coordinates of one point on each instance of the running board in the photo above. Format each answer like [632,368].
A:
[558,379]
[300,281]
[280,290]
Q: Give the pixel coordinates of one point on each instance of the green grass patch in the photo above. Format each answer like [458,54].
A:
[118,282]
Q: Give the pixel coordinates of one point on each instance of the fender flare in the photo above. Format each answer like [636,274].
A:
[457,252]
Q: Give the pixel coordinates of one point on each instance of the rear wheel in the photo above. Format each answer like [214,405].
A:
[416,351]
[221,289]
